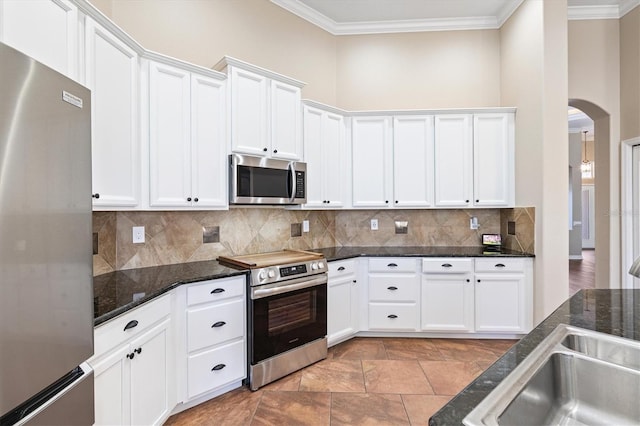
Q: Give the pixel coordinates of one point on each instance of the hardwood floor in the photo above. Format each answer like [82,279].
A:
[364,381]
[582,273]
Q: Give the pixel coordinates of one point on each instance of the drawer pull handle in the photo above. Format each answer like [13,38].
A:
[392,265]
[218,324]
[131,324]
[447,265]
[218,367]
[392,288]
[217,290]
[392,316]
[341,268]
[500,265]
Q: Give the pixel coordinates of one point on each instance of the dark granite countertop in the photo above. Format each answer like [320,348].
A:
[115,293]
[341,253]
[616,312]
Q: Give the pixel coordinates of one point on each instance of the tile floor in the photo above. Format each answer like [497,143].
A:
[364,381]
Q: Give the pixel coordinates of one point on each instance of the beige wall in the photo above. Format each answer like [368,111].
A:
[534,78]
[630,75]
[594,83]
[256,31]
[448,69]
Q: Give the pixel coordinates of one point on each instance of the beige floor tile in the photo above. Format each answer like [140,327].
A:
[464,350]
[360,348]
[367,409]
[334,376]
[391,376]
[450,377]
[421,407]
[287,383]
[420,349]
[293,408]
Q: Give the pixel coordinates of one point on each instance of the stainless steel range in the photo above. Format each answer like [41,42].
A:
[287,312]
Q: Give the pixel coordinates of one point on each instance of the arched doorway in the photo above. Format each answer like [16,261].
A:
[602,209]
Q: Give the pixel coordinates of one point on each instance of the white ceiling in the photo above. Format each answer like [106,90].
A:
[341,17]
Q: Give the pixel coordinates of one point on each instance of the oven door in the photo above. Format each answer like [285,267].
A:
[286,315]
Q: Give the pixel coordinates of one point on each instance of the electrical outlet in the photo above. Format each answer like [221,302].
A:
[138,234]
[374,224]
[305,226]
[473,223]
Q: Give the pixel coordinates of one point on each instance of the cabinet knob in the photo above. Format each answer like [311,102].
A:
[386,201]
[195,199]
[466,201]
[138,351]
[130,324]
[355,281]
[328,201]
[131,355]
[478,280]
[477,201]
[468,280]
[392,288]
[275,151]
[188,198]
[392,316]
[217,290]
[396,201]
[218,367]
[96,196]
[265,149]
[218,324]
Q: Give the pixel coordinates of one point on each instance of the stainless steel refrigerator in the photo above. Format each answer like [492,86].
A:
[46,290]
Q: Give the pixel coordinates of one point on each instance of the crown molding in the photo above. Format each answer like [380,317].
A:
[579,13]
[508,10]
[627,6]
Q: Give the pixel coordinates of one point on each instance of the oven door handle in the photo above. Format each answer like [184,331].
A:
[260,292]
[292,182]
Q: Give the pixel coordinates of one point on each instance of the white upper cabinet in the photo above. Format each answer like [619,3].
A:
[186,139]
[493,160]
[112,74]
[413,161]
[266,118]
[453,160]
[324,133]
[46,30]
[372,153]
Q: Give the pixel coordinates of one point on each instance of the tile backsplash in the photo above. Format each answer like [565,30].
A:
[176,237]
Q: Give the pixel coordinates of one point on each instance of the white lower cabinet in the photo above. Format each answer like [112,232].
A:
[133,366]
[447,295]
[212,350]
[394,294]
[342,301]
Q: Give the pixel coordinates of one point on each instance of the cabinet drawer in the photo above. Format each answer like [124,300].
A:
[343,267]
[392,288]
[500,265]
[447,265]
[113,333]
[215,324]
[214,290]
[393,316]
[215,368]
[392,264]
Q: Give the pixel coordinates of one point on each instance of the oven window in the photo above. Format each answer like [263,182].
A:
[285,321]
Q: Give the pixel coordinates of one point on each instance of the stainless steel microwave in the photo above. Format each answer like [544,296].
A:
[266,181]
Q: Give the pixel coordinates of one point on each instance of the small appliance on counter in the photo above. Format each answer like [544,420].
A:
[287,312]
[492,243]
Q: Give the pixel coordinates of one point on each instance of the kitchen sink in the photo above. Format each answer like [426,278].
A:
[574,377]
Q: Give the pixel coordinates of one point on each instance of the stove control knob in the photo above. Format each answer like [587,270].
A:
[262,275]
[320,265]
[314,266]
[271,273]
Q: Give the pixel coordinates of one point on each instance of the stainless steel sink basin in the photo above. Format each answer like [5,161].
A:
[574,377]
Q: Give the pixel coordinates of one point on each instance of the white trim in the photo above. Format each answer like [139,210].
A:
[179,63]
[324,107]
[510,7]
[575,257]
[626,204]
[485,110]
[228,61]
[578,13]
[627,6]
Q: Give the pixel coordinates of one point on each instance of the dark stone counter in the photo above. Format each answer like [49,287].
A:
[341,253]
[616,312]
[115,293]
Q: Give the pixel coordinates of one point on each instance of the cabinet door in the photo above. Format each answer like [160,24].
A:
[453,160]
[371,161]
[493,182]
[112,391]
[249,131]
[500,303]
[447,302]
[341,312]
[46,30]
[286,135]
[208,151]
[313,148]
[413,161]
[111,72]
[150,369]
[333,159]
[169,133]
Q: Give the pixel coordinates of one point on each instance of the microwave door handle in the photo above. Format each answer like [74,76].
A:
[292,183]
